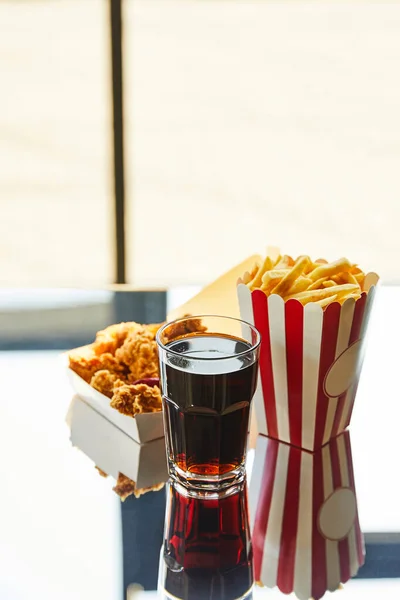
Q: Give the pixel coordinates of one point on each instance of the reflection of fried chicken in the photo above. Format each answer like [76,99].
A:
[125,487]
[105,381]
[182,328]
[112,337]
[133,399]
[101,472]
[86,366]
[139,353]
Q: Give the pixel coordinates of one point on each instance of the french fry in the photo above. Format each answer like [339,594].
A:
[271,278]
[356,296]
[344,278]
[274,274]
[330,269]
[348,278]
[359,277]
[355,270]
[315,295]
[248,276]
[325,301]
[316,284]
[285,262]
[265,266]
[312,266]
[284,286]
[328,283]
[301,284]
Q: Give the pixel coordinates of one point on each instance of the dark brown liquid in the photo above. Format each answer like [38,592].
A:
[206,403]
[207,549]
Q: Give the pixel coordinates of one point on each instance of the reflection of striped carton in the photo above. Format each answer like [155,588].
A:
[304,520]
[310,363]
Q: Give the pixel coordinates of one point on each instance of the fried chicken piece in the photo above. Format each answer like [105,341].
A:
[87,365]
[139,353]
[134,399]
[183,328]
[104,382]
[126,487]
[112,337]
[153,327]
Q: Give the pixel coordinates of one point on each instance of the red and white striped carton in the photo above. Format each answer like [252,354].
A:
[304,519]
[310,363]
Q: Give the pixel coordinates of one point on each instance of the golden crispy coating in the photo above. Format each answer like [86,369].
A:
[104,382]
[112,337]
[133,399]
[87,366]
[183,328]
[122,353]
[125,487]
[139,353]
[153,327]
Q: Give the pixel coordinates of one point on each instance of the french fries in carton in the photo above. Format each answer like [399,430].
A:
[304,518]
[313,319]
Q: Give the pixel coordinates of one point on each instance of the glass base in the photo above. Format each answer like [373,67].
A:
[207,486]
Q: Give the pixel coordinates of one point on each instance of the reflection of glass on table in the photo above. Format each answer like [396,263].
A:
[209,375]
[207,550]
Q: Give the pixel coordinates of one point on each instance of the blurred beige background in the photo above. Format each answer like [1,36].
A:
[247,123]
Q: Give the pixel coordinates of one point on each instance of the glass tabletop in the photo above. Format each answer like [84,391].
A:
[65,534]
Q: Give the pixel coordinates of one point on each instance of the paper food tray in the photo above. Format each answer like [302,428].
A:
[112,450]
[142,428]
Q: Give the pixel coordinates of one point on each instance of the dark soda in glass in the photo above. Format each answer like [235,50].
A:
[208,382]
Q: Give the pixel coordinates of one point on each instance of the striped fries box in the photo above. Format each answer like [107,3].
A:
[304,520]
[310,363]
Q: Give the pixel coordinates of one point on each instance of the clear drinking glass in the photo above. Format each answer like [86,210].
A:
[209,368]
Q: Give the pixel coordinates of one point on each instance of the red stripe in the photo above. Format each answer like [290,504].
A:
[357,319]
[294,317]
[354,336]
[330,329]
[287,554]
[343,545]
[366,317]
[261,321]
[264,506]
[357,528]
[319,576]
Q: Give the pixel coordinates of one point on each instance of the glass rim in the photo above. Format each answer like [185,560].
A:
[253,347]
